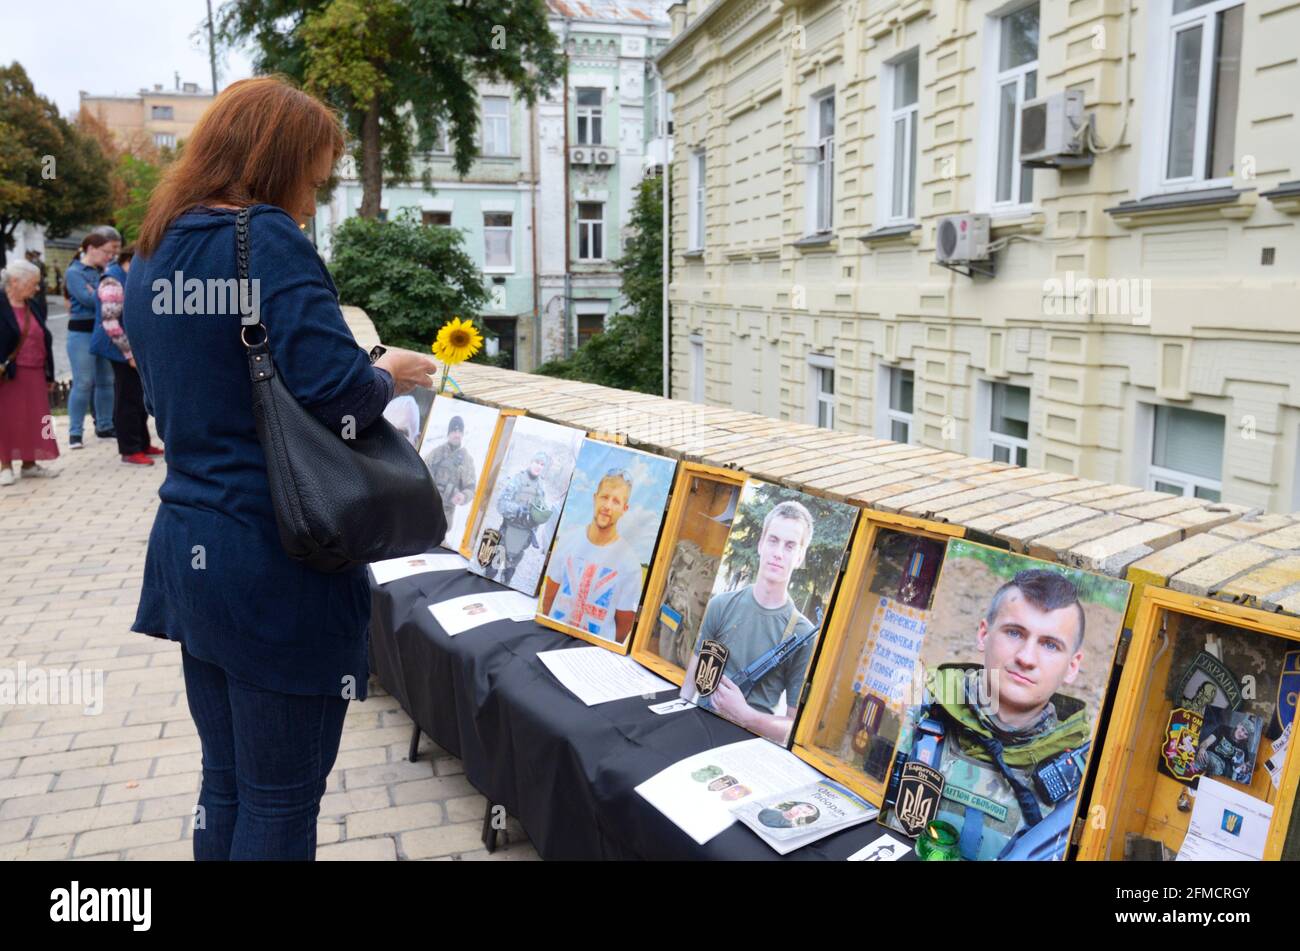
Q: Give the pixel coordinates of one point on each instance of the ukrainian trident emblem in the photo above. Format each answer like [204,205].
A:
[708,671]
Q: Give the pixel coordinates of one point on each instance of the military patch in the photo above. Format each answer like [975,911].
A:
[1208,683]
[488,544]
[1182,737]
[708,672]
[973,800]
[1288,690]
[919,791]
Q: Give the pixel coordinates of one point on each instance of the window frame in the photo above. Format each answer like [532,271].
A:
[164,140]
[594,116]
[593,230]
[1187,482]
[892,415]
[990,440]
[890,115]
[819,398]
[695,210]
[510,243]
[821,177]
[1206,18]
[499,123]
[990,127]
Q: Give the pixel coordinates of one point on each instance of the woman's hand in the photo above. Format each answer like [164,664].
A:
[408,369]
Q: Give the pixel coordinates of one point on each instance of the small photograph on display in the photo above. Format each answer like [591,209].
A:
[513,536]
[605,542]
[1229,744]
[409,412]
[455,447]
[1017,658]
[760,628]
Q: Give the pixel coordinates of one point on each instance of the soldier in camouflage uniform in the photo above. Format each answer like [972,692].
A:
[990,734]
[523,506]
[453,470]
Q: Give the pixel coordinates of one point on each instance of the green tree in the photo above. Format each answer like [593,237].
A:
[138,178]
[398,69]
[408,277]
[54,175]
[629,353]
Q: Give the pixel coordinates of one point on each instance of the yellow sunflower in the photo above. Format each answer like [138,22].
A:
[458,340]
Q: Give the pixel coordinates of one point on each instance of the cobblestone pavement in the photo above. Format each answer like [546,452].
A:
[122,784]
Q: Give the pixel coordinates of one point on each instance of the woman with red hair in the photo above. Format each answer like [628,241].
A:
[272,650]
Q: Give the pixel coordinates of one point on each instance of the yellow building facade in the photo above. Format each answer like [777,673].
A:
[1134,320]
[159,116]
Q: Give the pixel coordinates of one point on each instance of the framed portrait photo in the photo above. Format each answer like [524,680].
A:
[759,632]
[525,492]
[1203,716]
[996,738]
[605,543]
[681,579]
[871,653]
[457,443]
[409,413]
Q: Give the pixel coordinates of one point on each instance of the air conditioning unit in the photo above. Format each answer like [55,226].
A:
[962,239]
[603,157]
[1051,131]
[579,156]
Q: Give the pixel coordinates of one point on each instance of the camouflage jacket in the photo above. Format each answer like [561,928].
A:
[521,493]
[453,470]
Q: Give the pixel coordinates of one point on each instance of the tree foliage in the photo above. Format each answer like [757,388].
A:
[628,355]
[53,174]
[410,278]
[397,69]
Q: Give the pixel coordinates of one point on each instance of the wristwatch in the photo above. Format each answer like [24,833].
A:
[377,351]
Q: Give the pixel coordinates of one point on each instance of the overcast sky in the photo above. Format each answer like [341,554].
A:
[112,46]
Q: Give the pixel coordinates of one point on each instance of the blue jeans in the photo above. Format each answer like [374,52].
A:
[91,376]
[266,757]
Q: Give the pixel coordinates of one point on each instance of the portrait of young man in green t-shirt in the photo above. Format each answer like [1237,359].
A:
[755,618]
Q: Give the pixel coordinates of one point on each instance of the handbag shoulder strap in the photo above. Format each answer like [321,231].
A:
[23,327]
[260,365]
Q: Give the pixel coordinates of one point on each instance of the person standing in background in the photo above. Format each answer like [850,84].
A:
[92,376]
[26,374]
[130,418]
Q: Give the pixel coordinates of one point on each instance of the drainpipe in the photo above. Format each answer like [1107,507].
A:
[665,333]
[535,146]
[568,297]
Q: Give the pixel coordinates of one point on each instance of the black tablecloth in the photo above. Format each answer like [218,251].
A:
[567,771]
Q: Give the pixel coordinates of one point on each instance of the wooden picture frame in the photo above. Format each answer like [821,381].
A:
[645,638]
[1130,794]
[836,665]
[504,422]
[482,420]
[599,450]
[1090,767]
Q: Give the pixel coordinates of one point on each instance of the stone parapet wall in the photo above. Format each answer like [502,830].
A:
[1209,549]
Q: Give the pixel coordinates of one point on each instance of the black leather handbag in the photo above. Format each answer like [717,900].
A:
[338,502]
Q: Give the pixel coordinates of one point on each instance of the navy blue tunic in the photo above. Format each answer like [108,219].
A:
[216,577]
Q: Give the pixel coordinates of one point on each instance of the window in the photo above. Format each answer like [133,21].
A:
[440,218]
[498,241]
[590,102]
[823,168]
[1016,82]
[161,113]
[1204,73]
[496,125]
[821,371]
[441,142]
[164,140]
[695,211]
[1009,424]
[589,325]
[1187,453]
[591,231]
[900,138]
[898,414]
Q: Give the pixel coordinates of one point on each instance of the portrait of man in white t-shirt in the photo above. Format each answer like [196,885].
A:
[593,580]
